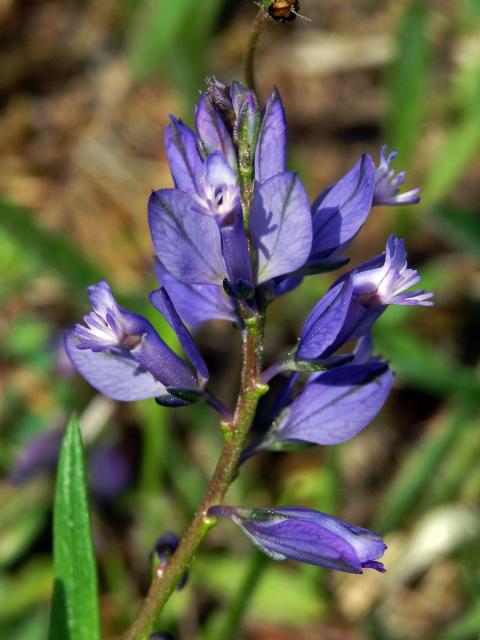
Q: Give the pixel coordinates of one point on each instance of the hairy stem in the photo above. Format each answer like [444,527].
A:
[249,69]
[236,431]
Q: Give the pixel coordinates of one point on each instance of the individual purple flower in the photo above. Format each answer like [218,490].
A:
[332,407]
[307,536]
[387,284]
[387,184]
[352,305]
[120,353]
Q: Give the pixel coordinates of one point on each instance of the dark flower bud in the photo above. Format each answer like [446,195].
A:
[219,96]
[164,548]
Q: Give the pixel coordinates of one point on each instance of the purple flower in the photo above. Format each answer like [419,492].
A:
[198,228]
[332,407]
[387,283]
[308,536]
[120,353]
[218,192]
[352,305]
[387,184]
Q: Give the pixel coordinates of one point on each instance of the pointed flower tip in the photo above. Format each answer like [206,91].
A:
[388,284]
[106,326]
[308,536]
[388,184]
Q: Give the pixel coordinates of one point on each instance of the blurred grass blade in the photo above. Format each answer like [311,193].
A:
[74,613]
[53,250]
[156,29]
[173,36]
[454,156]
[460,229]
[408,81]
[466,628]
[424,365]
[416,473]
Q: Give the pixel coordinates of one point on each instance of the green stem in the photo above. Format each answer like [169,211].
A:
[243,596]
[236,431]
[249,69]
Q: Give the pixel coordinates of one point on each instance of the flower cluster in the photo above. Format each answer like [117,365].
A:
[234,233]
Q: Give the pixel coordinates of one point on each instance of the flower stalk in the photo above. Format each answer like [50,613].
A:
[249,70]
[236,432]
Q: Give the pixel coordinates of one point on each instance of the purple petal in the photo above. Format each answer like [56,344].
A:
[116,375]
[386,279]
[187,242]
[196,302]
[270,154]
[325,322]
[161,301]
[337,405]
[213,133]
[367,544]
[285,285]
[304,542]
[219,172]
[340,211]
[280,226]
[307,536]
[235,252]
[183,157]
[238,94]
[388,184]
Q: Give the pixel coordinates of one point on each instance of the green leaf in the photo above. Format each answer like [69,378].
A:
[173,36]
[415,474]
[23,516]
[454,156]
[460,229]
[464,628]
[74,613]
[408,81]
[424,365]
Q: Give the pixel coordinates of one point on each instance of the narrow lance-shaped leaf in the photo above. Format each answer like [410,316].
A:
[74,614]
